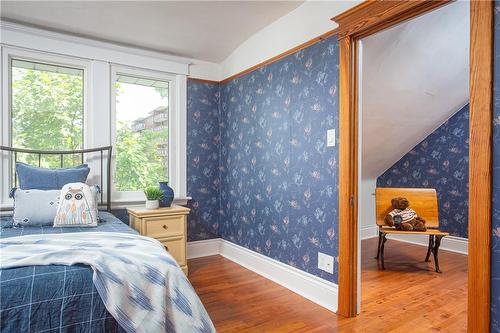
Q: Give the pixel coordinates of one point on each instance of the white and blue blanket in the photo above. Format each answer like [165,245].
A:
[139,282]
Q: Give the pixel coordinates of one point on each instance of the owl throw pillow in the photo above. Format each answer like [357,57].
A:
[77,207]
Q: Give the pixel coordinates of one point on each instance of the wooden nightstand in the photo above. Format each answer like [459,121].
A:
[168,225]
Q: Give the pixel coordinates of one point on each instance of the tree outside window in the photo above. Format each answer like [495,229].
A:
[47,110]
[141,132]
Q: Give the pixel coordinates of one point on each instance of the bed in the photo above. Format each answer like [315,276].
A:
[62,298]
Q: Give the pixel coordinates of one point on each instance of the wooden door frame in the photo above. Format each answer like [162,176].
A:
[368,18]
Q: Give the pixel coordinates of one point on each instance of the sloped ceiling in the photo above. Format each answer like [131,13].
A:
[413,78]
[204,30]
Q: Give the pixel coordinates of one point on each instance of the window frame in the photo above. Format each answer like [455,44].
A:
[10,53]
[98,57]
[138,196]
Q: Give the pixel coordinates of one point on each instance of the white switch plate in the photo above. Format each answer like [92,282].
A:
[325,262]
[330,138]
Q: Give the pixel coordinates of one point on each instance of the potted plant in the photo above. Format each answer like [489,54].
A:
[153,197]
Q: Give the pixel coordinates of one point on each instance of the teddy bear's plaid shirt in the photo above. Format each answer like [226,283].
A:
[407,214]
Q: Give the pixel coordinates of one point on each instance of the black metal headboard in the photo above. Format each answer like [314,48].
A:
[61,153]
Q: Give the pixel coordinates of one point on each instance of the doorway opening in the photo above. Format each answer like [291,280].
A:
[364,20]
[413,104]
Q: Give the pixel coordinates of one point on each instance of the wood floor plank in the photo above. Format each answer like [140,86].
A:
[407,297]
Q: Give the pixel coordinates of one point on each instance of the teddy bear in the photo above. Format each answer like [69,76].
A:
[404,218]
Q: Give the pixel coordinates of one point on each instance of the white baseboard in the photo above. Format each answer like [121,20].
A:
[449,243]
[368,232]
[317,290]
[320,291]
[203,248]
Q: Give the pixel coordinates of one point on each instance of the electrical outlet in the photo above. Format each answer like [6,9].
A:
[330,138]
[325,262]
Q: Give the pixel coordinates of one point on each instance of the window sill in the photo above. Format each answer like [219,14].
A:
[181,201]
[122,204]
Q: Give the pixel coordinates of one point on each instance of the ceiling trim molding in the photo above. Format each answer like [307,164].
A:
[203,80]
[9,25]
[12,34]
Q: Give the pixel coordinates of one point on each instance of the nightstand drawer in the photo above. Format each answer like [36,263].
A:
[164,226]
[177,248]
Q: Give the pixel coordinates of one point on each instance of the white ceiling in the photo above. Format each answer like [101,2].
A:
[414,77]
[204,30]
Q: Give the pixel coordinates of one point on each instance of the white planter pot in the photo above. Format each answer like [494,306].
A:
[152,204]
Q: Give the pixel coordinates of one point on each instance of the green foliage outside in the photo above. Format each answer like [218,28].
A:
[138,162]
[47,113]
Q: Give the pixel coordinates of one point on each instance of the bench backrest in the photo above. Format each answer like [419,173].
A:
[422,200]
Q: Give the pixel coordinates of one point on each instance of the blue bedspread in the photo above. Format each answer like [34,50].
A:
[54,298]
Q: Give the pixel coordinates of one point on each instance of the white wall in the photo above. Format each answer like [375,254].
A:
[415,77]
[205,70]
[368,226]
[309,20]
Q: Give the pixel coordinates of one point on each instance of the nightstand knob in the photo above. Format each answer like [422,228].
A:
[165,227]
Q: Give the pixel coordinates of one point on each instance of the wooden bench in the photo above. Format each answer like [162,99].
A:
[424,202]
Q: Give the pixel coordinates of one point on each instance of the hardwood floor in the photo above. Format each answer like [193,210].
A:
[407,297]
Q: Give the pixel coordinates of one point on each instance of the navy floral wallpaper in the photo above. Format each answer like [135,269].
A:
[495,255]
[441,161]
[203,150]
[279,181]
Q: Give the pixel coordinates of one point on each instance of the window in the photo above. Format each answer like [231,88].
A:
[141,131]
[47,109]
[67,94]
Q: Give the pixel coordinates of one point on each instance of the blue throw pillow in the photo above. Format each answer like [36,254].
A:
[31,177]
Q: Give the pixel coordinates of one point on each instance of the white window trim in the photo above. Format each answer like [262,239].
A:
[98,58]
[175,132]
[9,53]
[14,34]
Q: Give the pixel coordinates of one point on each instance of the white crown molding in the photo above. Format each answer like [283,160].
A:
[18,35]
[92,42]
[317,290]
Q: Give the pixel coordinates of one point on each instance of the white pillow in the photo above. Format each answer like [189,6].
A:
[77,207]
[35,207]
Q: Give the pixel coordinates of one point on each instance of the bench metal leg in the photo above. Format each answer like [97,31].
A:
[378,246]
[384,239]
[429,248]
[437,243]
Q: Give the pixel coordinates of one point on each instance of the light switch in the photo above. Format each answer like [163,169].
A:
[330,138]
